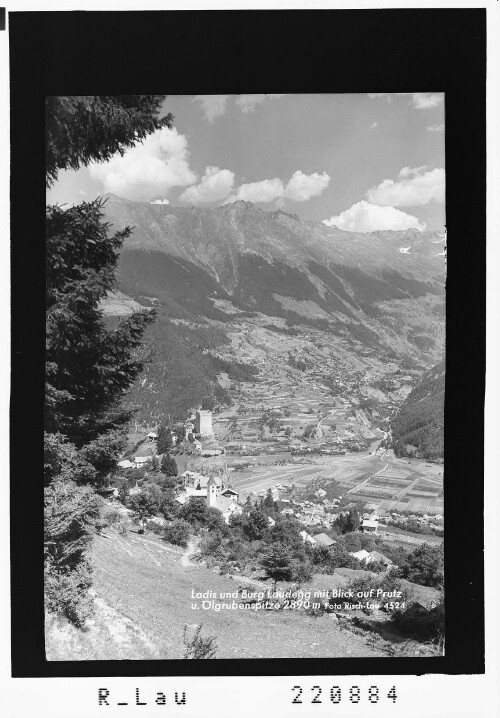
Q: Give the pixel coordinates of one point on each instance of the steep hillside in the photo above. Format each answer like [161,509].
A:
[143,590]
[384,288]
[418,427]
[216,275]
[217,238]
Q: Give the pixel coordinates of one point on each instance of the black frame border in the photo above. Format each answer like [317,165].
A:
[186,52]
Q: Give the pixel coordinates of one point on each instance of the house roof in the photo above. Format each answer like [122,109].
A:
[195,492]
[370,524]
[380,557]
[307,537]
[323,539]
[223,504]
[361,555]
[229,491]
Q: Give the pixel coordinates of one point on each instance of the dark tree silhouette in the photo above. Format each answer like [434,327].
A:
[88,367]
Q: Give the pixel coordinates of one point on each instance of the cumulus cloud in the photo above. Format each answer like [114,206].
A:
[413,187]
[302,187]
[264,191]
[215,185]
[366,217]
[299,188]
[213,105]
[153,166]
[160,201]
[426,100]
[436,127]
[418,100]
[247,103]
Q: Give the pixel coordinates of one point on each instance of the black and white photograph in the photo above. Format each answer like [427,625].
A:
[245,376]
[248,362]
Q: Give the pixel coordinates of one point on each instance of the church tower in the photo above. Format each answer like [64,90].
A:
[213,491]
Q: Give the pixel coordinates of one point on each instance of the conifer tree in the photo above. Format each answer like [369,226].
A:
[164,441]
[168,465]
[89,367]
[268,503]
[278,564]
[86,128]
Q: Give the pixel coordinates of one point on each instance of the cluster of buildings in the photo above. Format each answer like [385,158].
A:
[198,426]
[434,521]
[310,513]
[212,490]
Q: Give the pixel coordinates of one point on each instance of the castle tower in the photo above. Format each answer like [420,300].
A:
[203,423]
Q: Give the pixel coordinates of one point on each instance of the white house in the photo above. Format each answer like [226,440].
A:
[369,526]
[362,555]
[307,538]
[371,556]
[230,493]
[141,460]
[126,464]
[231,508]
[152,436]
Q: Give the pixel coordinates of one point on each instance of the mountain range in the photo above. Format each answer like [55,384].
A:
[211,262]
[375,297]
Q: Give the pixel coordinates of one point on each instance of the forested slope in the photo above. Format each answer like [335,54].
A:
[418,427]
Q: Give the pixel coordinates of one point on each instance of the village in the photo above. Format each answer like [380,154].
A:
[208,471]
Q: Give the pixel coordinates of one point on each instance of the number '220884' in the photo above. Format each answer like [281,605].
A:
[353,694]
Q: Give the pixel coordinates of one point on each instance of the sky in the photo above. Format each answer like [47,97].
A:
[362,162]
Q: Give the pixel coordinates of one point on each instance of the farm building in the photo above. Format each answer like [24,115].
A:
[371,557]
[141,460]
[369,526]
[362,555]
[126,464]
[152,436]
